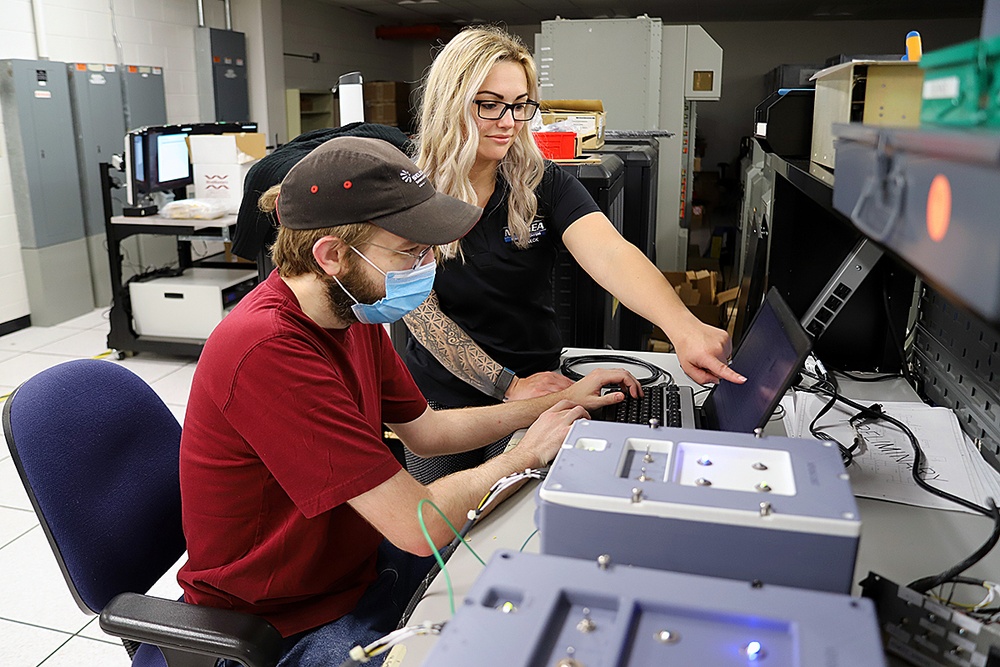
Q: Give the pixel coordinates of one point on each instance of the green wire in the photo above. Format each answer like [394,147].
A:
[437,554]
[535,532]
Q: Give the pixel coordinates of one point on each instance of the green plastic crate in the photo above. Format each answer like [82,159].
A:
[956,84]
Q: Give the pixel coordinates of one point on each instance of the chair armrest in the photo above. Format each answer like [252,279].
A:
[171,624]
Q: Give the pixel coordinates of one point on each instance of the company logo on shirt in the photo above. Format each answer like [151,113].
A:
[535,232]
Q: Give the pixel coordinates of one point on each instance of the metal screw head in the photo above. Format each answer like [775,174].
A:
[759,466]
[654,423]
[586,624]
[762,486]
[636,495]
[701,481]
[758,432]
[507,607]
[704,461]
[569,662]
[604,561]
[667,637]
[765,509]
[753,651]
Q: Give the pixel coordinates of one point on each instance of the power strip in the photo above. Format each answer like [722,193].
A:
[926,633]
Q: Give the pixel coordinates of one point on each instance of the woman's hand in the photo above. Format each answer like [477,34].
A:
[702,351]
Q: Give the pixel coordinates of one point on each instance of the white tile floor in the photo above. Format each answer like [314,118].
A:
[39,622]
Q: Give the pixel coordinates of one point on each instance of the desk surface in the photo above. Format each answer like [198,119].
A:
[899,542]
[160,221]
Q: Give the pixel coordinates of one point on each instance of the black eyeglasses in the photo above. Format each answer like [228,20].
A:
[519,111]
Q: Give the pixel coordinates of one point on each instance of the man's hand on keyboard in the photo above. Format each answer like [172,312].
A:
[587,391]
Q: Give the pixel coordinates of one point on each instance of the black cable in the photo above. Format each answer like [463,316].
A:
[872,378]
[928,583]
[875,412]
[846,453]
[446,553]
[655,372]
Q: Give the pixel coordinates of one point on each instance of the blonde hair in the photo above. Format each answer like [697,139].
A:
[447,139]
[292,251]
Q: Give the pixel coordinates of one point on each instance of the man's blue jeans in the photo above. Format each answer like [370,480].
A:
[376,614]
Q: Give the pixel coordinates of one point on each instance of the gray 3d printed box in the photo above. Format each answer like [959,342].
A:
[538,610]
[771,509]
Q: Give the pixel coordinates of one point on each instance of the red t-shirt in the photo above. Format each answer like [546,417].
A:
[283,427]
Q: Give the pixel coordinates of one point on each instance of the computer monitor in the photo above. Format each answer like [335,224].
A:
[772,351]
[157,158]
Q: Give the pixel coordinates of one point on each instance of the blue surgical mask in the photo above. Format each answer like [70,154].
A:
[404,291]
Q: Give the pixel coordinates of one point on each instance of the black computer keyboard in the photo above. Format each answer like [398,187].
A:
[662,402]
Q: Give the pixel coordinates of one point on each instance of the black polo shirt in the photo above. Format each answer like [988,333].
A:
[501,295]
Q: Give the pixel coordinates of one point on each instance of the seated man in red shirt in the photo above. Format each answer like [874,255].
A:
[293,507]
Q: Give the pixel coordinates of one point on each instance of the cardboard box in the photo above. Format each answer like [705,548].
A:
[386,113]
[387,91]
[892,97]
[232,148]
[221,181]
[586,117]
[699,290]
[220,163]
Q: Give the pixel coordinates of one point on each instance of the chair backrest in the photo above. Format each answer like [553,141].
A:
[97,451]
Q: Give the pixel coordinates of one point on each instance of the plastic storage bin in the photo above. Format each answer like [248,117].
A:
[556,145]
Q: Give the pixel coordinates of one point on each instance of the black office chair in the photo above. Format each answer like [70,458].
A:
[97,452]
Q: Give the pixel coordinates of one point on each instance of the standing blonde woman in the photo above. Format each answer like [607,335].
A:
[488,332]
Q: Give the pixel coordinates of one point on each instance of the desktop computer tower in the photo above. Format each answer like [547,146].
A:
[641,157]
[588,316]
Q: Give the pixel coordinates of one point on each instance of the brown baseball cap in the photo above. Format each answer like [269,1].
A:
[359,179]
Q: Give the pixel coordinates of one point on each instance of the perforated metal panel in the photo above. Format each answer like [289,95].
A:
[957,357]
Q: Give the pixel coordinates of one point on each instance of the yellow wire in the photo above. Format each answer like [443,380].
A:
[102,355]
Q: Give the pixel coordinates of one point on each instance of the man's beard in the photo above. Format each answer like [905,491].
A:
[358,284]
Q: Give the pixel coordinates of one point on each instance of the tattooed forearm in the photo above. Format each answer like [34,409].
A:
[451,346]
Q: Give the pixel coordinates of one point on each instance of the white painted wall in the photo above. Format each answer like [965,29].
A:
[345,42]
[150,32]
